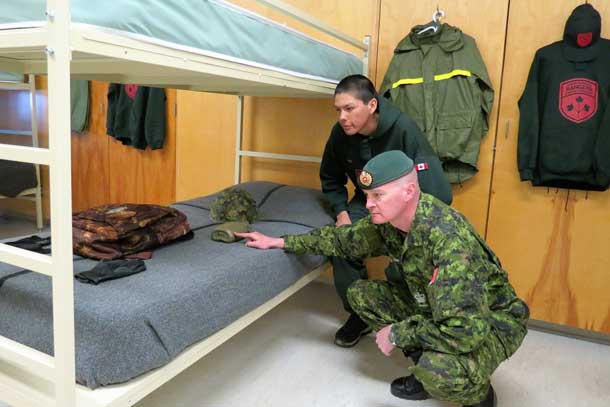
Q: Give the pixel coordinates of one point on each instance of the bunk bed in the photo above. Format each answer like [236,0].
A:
[22,180]
[108,42]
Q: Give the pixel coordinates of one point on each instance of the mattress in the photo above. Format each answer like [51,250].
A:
[211,27]
[16,177]
[11,77]
[191,289]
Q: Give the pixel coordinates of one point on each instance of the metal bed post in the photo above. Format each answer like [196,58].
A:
[239,131]
[58,63]
[34,121]
[365,57]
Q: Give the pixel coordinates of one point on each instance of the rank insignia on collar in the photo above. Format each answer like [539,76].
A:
[366,178]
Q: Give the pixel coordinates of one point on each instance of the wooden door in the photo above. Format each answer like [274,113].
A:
[553,242]
[485,21]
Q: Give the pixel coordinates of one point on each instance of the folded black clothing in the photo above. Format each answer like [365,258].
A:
[110,270]
[33,243]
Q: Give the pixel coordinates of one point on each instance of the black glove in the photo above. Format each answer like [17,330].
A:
[33,243]
[109,270]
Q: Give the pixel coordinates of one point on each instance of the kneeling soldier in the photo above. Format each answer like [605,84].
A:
[454,311]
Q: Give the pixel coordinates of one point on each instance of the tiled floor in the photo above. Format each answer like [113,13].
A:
[287,359]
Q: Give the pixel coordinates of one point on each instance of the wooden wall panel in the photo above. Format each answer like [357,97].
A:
[484,20]
[302,127]
[90,166]
[205,143]
[552,242]
[145,176]
[15,111]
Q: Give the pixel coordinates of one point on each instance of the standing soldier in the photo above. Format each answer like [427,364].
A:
[367,126]
[454,311]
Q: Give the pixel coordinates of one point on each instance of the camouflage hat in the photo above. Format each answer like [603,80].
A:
[233,205]
[384,168]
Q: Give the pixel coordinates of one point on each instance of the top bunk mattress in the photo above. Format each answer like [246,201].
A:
[209,27]
[9,76]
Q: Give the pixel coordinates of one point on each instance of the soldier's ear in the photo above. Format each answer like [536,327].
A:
[410,190]
[373,105]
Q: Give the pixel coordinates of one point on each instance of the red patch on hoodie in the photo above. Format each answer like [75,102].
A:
[584,39]
[131,91]
[578,99]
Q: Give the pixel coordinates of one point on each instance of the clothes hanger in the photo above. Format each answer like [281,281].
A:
[436,20]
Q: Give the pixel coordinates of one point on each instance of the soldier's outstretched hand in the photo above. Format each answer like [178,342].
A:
[260,241]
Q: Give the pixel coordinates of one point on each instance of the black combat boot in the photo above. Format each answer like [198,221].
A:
[351,332]
[409,388]
[490,400]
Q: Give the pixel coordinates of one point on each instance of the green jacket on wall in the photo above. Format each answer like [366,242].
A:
[440,80]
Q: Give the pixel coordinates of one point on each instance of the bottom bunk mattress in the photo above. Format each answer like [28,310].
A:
[191,289]
[16,177]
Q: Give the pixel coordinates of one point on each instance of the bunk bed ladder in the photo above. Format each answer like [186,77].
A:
[34,124]
[59,370]
[30,86]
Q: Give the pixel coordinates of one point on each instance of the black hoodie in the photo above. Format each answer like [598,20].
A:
[345,156]
[564,128]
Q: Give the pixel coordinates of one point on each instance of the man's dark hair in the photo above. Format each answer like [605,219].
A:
[359,86]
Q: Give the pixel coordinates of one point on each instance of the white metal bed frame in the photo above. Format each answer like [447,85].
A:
[30,377]
[29,194]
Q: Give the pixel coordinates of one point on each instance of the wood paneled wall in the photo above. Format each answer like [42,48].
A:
[553,242]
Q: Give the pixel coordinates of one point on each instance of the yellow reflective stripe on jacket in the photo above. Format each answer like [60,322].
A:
[441,77]
[407,81]
[455,72]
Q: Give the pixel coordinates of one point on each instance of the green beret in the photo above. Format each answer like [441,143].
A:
[226,231]
[384,168]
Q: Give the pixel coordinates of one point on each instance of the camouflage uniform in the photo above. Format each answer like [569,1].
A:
[454,302]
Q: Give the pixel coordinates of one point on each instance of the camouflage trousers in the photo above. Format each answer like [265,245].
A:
[462,378]
[346,271]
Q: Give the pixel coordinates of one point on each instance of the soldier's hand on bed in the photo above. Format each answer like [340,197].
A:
[260,241]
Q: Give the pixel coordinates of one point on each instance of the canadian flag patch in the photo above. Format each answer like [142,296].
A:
[421,166]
